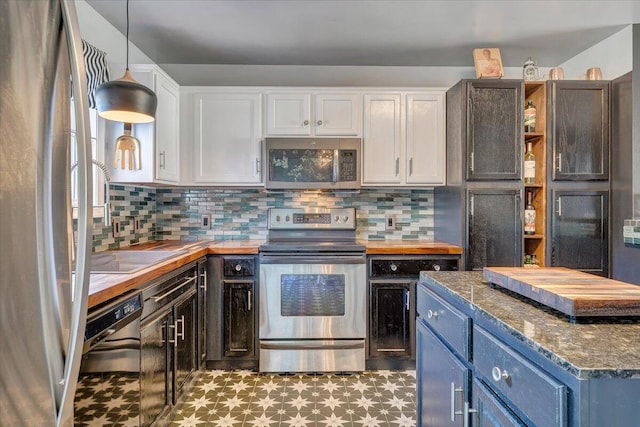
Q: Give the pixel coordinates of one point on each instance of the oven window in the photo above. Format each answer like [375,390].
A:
[308,165]
[312,294]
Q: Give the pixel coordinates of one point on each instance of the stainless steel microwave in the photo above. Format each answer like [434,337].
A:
[312,163]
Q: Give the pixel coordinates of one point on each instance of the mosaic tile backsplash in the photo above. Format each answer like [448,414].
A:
[236,214]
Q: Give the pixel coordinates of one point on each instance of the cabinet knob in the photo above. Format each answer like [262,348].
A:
[432,314]
[306,122]
[393,267]
[499,374]
[238,267]
[319,122]
[436,267]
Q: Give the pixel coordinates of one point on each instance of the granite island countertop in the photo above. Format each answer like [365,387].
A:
[586,350]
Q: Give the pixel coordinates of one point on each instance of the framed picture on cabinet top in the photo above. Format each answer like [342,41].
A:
[488,63]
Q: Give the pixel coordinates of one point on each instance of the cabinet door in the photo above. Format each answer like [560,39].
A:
[390,326]
[337,114]
[442,382]
[426,156]
[166,129]
[580,130]
[289,114]
[495,229]
[227,139]
[238,309]
[381,145]
[185,345]
[156,338]
[494,129]
[491,412]
[579,231]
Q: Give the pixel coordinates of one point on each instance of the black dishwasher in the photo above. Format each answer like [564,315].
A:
[392,283]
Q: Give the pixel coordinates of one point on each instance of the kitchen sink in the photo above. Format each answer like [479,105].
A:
[126,262]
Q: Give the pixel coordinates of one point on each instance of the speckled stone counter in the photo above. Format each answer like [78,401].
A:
[590,350]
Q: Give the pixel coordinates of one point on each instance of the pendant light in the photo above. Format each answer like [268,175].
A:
[125,100]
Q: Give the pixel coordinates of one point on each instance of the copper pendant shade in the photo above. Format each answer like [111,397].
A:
[126,100]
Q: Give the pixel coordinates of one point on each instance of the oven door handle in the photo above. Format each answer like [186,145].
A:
[310,346]
[312,259]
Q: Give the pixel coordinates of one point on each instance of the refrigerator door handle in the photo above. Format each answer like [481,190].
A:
[80,289]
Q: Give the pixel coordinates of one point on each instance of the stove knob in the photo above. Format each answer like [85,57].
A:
[337,218]
[278,218]
[286,218]
[345,219]
[393,267]
[238,267]
[436,267]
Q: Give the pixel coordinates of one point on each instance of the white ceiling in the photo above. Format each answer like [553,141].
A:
[365,32]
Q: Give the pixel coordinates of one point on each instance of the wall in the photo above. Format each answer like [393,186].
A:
[242,214]
[613,55]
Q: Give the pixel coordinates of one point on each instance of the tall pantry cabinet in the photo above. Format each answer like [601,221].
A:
[482,206]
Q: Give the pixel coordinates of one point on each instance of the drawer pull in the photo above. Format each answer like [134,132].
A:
[455,390]
[238,267]
[393,267]
[432,314]
[499,374]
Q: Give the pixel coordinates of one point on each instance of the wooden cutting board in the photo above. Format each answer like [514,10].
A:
[571,292]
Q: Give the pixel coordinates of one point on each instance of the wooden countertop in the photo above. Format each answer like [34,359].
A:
[410,247]
[104,287]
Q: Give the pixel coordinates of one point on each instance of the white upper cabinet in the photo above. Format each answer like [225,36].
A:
[313,114]
[426,154]
[226,138]
[382,139]
[404,139]
[159,149]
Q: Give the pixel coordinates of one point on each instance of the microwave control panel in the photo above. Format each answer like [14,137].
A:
[348,170]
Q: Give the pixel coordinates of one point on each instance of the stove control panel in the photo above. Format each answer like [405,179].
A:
[335,218]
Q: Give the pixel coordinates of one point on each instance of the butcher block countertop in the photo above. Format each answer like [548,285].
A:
[598,349]
[104,287]
[410,247]
[574,293]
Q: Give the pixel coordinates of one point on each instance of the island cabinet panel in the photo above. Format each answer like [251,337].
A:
[442,382]
[579,130]
[539,397]
[495,228]
[491,412]
[580,230]
[494,129]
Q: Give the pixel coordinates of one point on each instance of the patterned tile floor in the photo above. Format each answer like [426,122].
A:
[245,398]
[107,400]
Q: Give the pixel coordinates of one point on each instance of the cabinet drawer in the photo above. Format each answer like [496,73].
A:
[238,267]
[409,267]
[447,321]
[490,410]
[539,397]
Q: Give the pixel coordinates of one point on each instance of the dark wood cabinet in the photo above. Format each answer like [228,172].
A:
[238,309]
[495,228]
[579,230]
[494,129]
[185,360]
[203,286]
[232,312]
[579,130]
[390,319]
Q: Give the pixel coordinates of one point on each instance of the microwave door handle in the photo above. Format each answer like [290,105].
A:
[336,157]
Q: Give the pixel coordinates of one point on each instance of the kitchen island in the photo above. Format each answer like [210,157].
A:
[518,361]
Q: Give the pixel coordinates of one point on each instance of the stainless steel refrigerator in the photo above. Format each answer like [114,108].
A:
[42,304]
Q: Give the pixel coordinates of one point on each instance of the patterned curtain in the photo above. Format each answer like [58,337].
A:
[95,62]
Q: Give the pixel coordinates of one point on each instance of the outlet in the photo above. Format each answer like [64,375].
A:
[136,224]
[115,227]
[205,221]
[389,222]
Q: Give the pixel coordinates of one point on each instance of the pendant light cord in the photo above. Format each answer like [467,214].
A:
[127,34]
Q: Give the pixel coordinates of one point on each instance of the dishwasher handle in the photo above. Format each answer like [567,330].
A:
[180,286]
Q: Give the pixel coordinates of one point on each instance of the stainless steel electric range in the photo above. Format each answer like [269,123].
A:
[312,292]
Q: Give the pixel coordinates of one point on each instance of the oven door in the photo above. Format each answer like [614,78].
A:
[312,297]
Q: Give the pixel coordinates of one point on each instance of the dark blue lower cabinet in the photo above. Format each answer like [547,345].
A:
[489,410]
[442,382]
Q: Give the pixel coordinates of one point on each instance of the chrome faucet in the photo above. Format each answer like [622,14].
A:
[107,201]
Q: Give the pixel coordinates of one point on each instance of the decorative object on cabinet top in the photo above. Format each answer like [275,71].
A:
[488,63]
[571,292]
